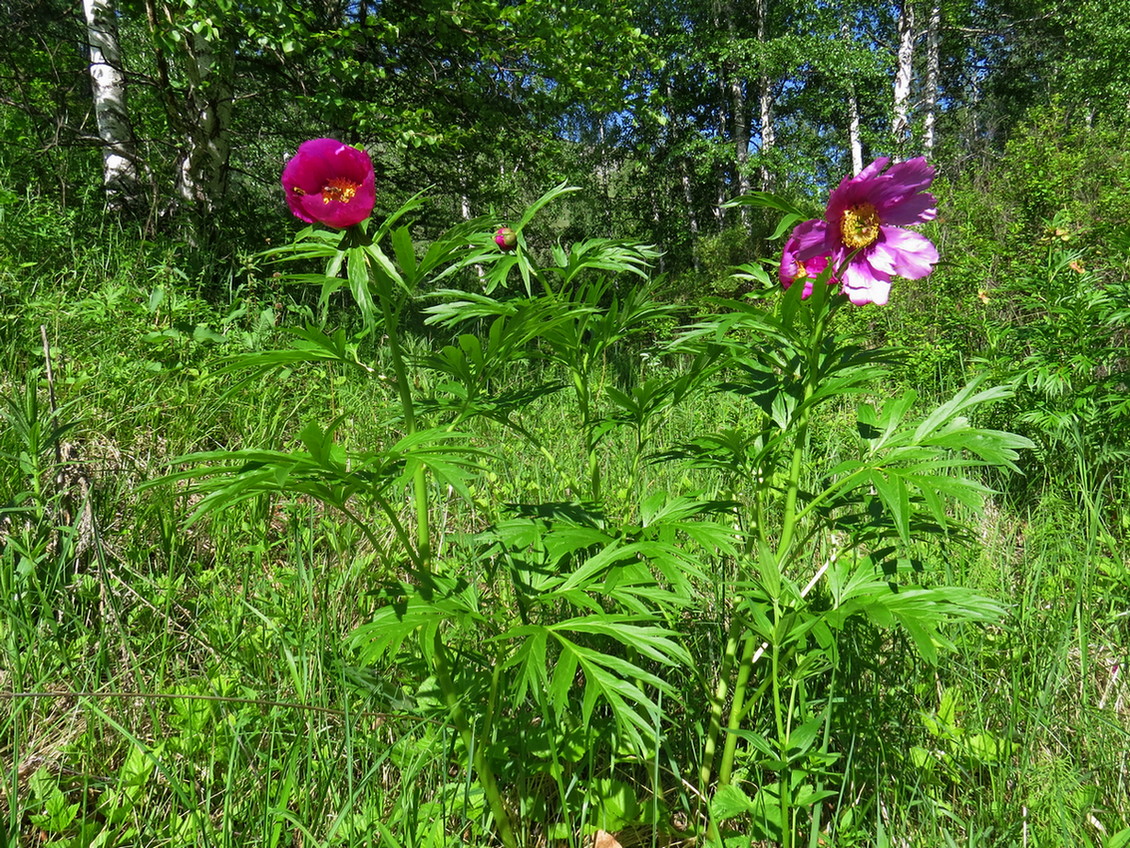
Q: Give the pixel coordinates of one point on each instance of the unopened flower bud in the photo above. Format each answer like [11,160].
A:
[506,238]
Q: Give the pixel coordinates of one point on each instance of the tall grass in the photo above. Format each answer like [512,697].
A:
[167,683]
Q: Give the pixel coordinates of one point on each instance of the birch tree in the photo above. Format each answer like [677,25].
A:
[765,96]
[904,74]
[933,61]
[855,142]
[735,70]
[202,176]
[120,178]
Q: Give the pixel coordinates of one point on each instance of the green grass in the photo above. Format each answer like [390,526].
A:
[164,683]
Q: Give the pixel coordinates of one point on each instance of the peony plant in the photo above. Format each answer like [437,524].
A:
[506,238]
[330,183]
[862,234]
[572,615]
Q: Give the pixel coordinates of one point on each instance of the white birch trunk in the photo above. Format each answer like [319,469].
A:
[768,134]
[765,101]
[688,197]
[855,143]
[933,62]
[656,217]
[741,133]
[724,130]
[108,87]
[739,115]
[692,216]
[203,177]
[854,140]
[904,72]
[465,211]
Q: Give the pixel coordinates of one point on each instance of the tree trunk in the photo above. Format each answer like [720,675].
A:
[692,216]
[765,101]
[465,211]
[203,174]
[108,85]
[930,96]
[735,82]
[855,143]
[677,130]
[904,71]
[741,134]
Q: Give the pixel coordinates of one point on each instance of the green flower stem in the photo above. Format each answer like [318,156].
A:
[800,441]
[717,705]
[788,530]
[714,730]
[476,748]
[844,483]
[400,533]
[737,710]
[584,400]
[369,534]
[784,777]
[403,388]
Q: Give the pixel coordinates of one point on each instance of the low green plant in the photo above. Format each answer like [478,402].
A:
[40,517]
[1066,353]
[564,614]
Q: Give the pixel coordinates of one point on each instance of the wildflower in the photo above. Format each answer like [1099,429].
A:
[792,269]
[862,232]
[330,182]
[506,238]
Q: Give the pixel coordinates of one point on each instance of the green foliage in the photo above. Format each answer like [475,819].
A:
[570,520]
[40,510]
[585,632]
[1053,292]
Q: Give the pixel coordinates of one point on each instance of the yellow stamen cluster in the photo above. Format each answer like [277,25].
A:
[859,226]
[339,189]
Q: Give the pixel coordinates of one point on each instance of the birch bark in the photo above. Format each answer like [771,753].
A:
[765,99]
[203,172]
[933,62]
[904,73]
[692,217]
[735,81]
[108,86]
[855,143]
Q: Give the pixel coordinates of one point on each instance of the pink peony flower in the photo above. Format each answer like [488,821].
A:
[330,182]
[792,269]
[862,232]
[506,238]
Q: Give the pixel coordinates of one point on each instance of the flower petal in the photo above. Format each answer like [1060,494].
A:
[864,284]
[872,170]
[903,252]
[913,175]
[909,209]
[313,180]
[810,239]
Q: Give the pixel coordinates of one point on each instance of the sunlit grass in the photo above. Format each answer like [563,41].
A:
[174,684]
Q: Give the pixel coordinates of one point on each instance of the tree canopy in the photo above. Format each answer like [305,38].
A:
[661,111]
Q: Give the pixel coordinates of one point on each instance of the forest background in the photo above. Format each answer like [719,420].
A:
[170,681]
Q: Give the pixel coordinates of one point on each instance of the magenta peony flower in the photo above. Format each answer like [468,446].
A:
[792,269]
[330,182]
[506,238]
[862,232]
